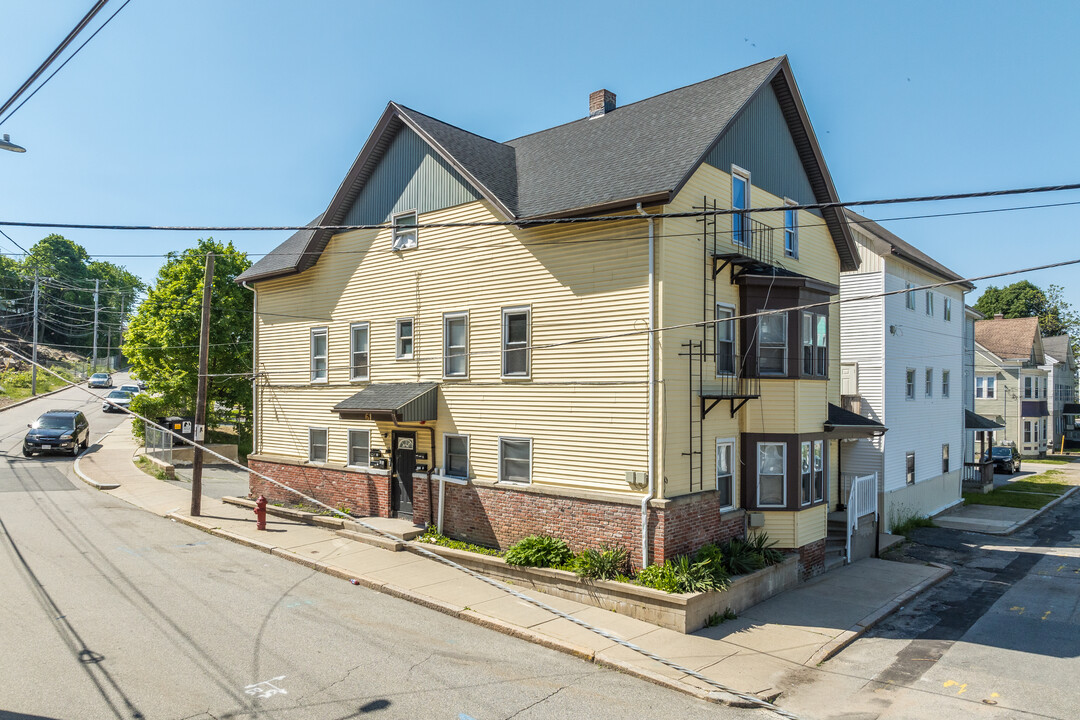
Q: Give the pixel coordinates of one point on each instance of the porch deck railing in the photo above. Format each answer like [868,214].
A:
[862,500]
[978,473]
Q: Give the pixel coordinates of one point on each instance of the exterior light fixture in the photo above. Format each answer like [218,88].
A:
[6,144]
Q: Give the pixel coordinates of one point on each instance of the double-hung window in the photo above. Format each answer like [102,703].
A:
[948,309]
[929,389]
[808,343]
[317,445]
[821,344]
[1028,387]
[740,200]
[772,344]
[358,351]
[405,234]
[359,448]
[929,303]
[771,475]
[807,477]
[985,387]
[725,340]
[456,455]
[791,232]
[515,342]
[819,470]
[944,383]
[456,345]
[319,367]
[1027,431]
[944,459]
[405,332]
[725,472]
[910,475]
[910,297]
[909,384]
[515,460]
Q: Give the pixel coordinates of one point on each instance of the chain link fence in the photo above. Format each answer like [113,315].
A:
[159,444]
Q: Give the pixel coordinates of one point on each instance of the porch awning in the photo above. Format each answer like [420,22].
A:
[973,421]
[1071,409]
[397,402]
[844,424]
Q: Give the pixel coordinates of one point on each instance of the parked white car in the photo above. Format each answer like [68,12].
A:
[131,388]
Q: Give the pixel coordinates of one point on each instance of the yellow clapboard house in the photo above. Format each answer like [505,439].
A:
[474,345]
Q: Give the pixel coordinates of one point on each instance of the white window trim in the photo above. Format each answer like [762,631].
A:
[745,175]
[824,472]
[909,297]
[734,465]
[946,384]
[794,254]
[352,350]
[909,395]
[325,332]
[446,347]
[757,476]
[468,458]
[397,338]
[514,310]
[930,303]
[349,445]
[928,382]
[786,347]
[948,309]
[531,464]
[734,339]
[311,445]
[394,230]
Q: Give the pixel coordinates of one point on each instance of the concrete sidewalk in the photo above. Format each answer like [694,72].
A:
[995,520]
[753,653]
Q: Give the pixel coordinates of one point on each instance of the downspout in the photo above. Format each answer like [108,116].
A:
[651,403]
[254,364]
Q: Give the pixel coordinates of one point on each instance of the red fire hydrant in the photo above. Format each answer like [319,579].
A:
[260,513]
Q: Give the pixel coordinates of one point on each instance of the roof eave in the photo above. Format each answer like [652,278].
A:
[662,197]
[906,257]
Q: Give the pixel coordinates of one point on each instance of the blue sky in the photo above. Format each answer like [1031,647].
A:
[249,112]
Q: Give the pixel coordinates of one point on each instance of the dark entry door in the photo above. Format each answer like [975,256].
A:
[404,465]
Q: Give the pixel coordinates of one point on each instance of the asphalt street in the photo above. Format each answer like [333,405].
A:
[999,639]
[111,612]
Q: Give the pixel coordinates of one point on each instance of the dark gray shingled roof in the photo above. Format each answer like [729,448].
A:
[1057,347]
[285,257]
[979,422]
[904,249]
[410,401]
[839,417]
[641,152]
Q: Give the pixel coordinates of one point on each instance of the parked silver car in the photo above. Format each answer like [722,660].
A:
[100,380]
[115,400]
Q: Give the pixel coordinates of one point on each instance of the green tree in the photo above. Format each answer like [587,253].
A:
[1024,299]
[163,337]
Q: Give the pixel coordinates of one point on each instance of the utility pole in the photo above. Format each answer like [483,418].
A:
[33,370]
[200,398]
[97,285]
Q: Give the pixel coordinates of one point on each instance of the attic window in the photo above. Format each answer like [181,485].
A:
[405,235]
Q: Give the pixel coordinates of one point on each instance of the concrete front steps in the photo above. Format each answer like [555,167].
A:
[836,540]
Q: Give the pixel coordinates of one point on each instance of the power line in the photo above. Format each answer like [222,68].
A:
[555,221]
[699,323]
[53,55]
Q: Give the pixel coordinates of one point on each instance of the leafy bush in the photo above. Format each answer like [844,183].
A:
[740,557]
[762,546]
[607,563]
[153,408]
[15,379]
[539,551]
[658,577]
[693,575]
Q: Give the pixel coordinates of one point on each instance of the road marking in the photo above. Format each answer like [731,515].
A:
[1046,615]
[266,688]
[953,683]
[1017,609]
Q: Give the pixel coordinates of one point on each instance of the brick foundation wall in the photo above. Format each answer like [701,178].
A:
[811,560]
[363,493]
[500,516]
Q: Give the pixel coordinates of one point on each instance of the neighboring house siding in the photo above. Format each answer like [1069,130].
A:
[584,405]
[776,165]
[411,176]
[862,342]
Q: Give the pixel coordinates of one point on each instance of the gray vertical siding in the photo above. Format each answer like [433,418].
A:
[410,176]
[759,141]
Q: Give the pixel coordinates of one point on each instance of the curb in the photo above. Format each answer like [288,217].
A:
[1016,526]
[33,398]
[860,628]
[86,478]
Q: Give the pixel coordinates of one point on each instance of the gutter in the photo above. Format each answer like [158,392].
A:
[651,405]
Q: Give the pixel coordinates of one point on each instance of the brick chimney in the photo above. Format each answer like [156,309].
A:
[999,316]
[601,102]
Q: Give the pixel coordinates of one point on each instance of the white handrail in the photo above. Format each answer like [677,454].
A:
[862,500]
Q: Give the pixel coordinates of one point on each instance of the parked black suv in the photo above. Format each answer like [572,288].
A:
[1006,459]
[64,431]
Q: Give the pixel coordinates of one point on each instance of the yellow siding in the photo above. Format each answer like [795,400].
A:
[584,405]
[786,406]
[811,525]
[782,527]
